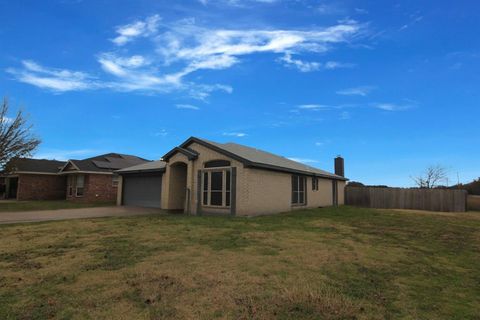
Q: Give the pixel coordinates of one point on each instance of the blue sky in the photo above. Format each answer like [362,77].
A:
[393,86]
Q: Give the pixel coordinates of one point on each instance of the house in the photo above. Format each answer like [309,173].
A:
[91,179]
[205,177]
[33,179]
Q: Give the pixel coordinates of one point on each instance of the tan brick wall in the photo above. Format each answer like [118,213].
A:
[41,187]
[98,187]
[267,192]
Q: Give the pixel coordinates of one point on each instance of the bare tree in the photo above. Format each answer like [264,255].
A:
[431,178]
[16,138]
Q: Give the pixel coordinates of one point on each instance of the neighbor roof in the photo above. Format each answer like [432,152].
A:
[150,166]
[35,165]
[107,162]
[258,158]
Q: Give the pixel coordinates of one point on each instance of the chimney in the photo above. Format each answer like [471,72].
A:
[339,166]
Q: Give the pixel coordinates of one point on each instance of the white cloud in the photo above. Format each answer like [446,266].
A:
[187,106]
[54,79]
[313,107]
[161,133]
[145,28]
[303,66]
[183,48]
[302,160]
[235,134]
[356,91]
[392,106]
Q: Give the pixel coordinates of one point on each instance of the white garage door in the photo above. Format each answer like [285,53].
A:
[142,190]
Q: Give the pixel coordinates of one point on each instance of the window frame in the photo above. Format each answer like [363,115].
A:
[315,183]
[77,187]
[300,181]
[115,180]
[207,188]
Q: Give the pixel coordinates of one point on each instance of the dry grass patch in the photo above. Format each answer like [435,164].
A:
[328,263]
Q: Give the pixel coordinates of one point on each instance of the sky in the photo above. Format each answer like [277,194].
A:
[392,86]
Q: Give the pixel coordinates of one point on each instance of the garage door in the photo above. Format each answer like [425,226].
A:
[142,190]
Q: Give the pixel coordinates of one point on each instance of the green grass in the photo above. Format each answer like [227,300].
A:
[48,205]
[332,263]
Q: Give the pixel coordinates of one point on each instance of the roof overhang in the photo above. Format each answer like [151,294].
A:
[189,153]
[140,171]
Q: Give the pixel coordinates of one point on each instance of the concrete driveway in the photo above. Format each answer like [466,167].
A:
[63,214]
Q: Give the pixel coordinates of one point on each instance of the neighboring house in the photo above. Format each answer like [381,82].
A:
[205,177]
[33,179]
[91,179]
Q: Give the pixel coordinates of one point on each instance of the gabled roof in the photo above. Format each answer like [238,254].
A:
[252,157]
[107,162]
[151,166]
[35,165]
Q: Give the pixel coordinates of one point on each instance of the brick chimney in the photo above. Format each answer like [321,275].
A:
[339,166]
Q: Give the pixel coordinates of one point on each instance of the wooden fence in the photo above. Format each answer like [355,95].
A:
[400,198]
[473,203]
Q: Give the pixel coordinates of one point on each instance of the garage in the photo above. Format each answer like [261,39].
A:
[142,185]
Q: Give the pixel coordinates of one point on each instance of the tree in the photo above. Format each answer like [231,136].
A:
[431,178]
[16,138]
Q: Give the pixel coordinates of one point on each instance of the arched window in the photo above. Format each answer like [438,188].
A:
[217,163]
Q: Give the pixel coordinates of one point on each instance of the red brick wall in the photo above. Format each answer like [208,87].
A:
[41,187]
[98,187]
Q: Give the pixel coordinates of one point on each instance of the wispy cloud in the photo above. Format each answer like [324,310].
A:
[309,66]
[161,133]
[303,160]
[392,106]
[235,134]
[60,80]
[129,32]
[187,106]
[313,107]
[414,19]
[356,91]
[183,48]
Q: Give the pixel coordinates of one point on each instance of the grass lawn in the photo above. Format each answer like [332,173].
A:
[48,205]
[344,263]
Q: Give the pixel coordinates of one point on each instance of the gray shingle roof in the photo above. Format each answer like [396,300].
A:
[264,159]
[145,167]
[36,165]
[252,157]
[108,162]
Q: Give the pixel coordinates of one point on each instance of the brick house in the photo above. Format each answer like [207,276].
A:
[206,177]
[91,179]
[33,179]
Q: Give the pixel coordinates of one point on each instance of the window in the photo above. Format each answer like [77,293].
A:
[217,163]
[314,183]
[216,188]
[80,184]
[70,184]
[115,180]
[298,190]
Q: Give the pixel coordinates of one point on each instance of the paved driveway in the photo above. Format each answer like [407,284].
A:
[62,214]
